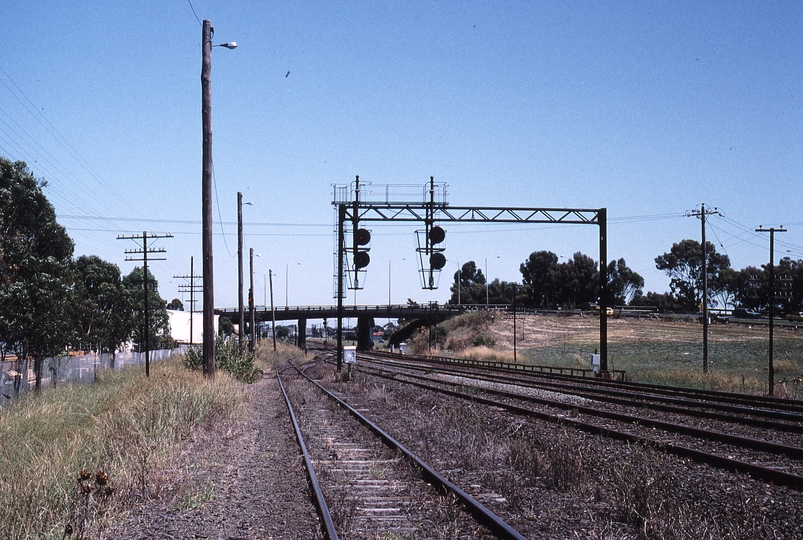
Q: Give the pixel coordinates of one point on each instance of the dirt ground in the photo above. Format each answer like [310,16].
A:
[243,480]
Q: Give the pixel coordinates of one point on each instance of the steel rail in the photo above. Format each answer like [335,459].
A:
[483,515]
[320,502]
[743,442]
[620,397]
[781,478]
[796,406]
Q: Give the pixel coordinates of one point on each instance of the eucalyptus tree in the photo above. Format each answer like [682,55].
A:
[103,305]
[157,332]
[540,278]
[471,283]
[683,264]
[35,270]
[624,284]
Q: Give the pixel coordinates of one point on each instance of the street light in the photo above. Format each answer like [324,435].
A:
[206,197]
[251,302]
[240,265]
[272,310]
[253,295]
[486,280]
[389,281]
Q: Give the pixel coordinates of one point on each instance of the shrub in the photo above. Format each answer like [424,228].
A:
[484,340]
[228,357]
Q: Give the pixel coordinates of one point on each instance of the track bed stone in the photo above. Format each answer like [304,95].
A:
[242,480]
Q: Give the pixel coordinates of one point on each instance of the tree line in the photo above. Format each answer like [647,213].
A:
[548,283]
[50,302]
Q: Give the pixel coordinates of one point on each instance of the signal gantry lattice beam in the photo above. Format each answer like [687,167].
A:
[353,210]
[471,214]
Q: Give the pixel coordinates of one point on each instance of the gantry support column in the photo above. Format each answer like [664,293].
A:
[365,325]
[301,340]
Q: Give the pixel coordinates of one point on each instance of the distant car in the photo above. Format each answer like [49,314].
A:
[608,310]
[742,313]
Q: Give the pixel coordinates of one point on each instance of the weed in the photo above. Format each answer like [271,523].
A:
[272,360]
[565,458]
[527,459]
[448,513]
[228,357]
[124,425]
[89,498]
[194,499]
[343,509]
[484,340]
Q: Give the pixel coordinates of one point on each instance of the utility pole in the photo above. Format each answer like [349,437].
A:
[272,310]
[515,361]
[206,196]
[701,214]
[341,247]
[771,374]
[459,281]
[191,287]
[144,252]
[486,282]
[251,301]
[241,332]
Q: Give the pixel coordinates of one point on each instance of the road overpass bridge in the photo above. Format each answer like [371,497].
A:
[365,314]
[394,311]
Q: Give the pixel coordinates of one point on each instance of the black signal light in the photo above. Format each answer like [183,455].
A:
[362,237]
[437,260]
[436,235]
[361,259]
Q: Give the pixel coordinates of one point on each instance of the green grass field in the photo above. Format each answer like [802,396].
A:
[649,350]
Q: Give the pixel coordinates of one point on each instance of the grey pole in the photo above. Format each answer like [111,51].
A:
[771,374]
[705,292]
[206,195]
[272,310]
[241,333]
[251,301]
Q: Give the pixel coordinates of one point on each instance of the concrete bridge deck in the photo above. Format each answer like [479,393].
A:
[394,311]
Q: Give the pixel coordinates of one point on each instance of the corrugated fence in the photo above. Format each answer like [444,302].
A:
[17,376]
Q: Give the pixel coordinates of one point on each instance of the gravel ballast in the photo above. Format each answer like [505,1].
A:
[242,480]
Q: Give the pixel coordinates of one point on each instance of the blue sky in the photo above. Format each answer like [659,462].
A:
[645,108]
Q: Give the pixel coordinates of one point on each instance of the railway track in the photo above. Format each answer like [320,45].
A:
[769,406]
[365,482]
[776,422]
[550,476]
[766,449]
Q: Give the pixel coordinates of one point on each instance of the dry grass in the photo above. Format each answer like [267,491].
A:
[650,350]
[487,353]
[123,428]
[269,361]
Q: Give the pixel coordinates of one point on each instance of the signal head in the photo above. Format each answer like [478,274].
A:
[437,261]
[437,235]
[361,259]
[362,236]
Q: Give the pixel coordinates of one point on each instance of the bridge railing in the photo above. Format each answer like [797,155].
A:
[380,307]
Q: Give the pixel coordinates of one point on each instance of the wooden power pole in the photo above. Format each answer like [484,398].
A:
[144,252]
